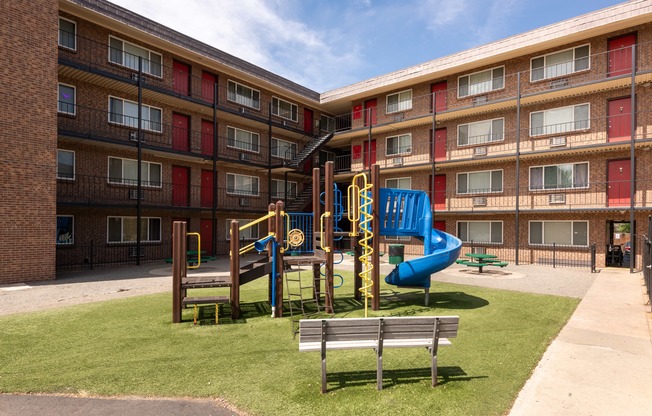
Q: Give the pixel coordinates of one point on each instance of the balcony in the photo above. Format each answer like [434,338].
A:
[104,192]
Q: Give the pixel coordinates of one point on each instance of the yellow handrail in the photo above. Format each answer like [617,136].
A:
[321,231]
[364,212]
[269,215]
[198,250]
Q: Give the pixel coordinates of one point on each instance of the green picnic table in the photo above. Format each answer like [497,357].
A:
[480,261]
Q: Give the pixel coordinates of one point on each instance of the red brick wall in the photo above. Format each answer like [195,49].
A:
[28,140]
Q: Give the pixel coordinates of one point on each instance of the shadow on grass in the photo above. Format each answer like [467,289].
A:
[442,300]
[343,379]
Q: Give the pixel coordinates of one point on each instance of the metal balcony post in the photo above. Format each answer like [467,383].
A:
[214,213]
[632,174]
[269,155]
[518,164]
[140,159]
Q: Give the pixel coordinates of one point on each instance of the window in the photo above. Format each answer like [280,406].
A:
[481,82]
[123,229]
[67,98]
[567,176]
[67,34]
[326,123]
[125,172]
[126,54]
[243,95]
[279,188]
[399,183]
[400,101]
[480,231]
[249,233]
[65,164]
[560,63]
[565,233]
[242,139]
[480,182]
[125,113]
[480,132]
[559,120]
[241,184]
[285,109]
[398,145]
[65,230]
[283,149]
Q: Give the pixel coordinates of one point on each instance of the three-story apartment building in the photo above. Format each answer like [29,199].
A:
[535,147]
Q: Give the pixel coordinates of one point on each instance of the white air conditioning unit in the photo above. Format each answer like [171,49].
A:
[556,198]
[244,156]
[399,117]
[242,110]
[480,151]
[134,76]
[397,161]
[133,194]
[557,141]
[133,136]
[479,250]
[479,201]
[558,83]
[134,250]
[481,99]
[244,202]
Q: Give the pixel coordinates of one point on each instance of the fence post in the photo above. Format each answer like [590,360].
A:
[91,255]
[554,255]
[593,257]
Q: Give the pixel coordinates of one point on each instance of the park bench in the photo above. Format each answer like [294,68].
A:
[377,333]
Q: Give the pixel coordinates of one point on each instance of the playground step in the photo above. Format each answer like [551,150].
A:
[249,274]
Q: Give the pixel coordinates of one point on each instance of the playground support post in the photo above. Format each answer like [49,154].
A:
[278,273]
[235,269]
[271,229]
[329,187]
[375,227]
[316,207]
[178,267]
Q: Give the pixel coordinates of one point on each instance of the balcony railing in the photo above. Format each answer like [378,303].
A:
[102,191]
[501,93]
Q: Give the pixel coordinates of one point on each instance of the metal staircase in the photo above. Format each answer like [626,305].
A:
[308,150]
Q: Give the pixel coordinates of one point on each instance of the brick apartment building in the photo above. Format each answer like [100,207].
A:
[535,147]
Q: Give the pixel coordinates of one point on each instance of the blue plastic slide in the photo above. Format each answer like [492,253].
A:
[408,213]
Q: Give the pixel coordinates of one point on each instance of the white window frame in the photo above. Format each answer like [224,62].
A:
[241,99]
[148,63]
[492,80]
[240,192]
[502,231]
[572,62]
[401,150]
[146,124]
[241,222]
[400,105]
[560,128]
[74,34]
[145,233]
[290,185]
[74,164]
[74,100]
[71,241]
[543,177]
[572,232]
[398,180]
[254,143]
[276,147]
[489,136]
[146,179]
[276,109]
[477,191]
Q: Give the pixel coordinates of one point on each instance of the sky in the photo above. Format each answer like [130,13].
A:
[328,44]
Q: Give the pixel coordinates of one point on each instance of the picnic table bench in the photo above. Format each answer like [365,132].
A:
[481,260]
[377,333]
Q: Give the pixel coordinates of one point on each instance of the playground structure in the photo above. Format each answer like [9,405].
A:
[372,211]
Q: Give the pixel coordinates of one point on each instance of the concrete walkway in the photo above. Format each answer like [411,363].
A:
[601,362]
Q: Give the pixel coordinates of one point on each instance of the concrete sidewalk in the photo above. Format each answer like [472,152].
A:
[601,362]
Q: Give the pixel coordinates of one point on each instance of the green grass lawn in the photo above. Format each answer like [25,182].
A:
[130,347]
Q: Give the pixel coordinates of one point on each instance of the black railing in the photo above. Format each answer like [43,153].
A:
[553,255]
[646,247]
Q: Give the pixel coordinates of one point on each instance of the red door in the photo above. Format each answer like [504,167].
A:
[620,54]
[208,81]
[439,91]
[618,182]
[307,121]
[180,186]
[619,120]
[180,132]
[207,188]
[439,150]
[206,233]
[439,195]
[369,156]
[440,225]
[181,78]
[207,138]
[370,112]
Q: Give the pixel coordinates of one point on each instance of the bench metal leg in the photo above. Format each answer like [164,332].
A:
[323,371]
[433,369]
[379,370]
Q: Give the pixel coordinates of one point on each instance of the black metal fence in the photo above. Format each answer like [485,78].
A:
[646,249]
